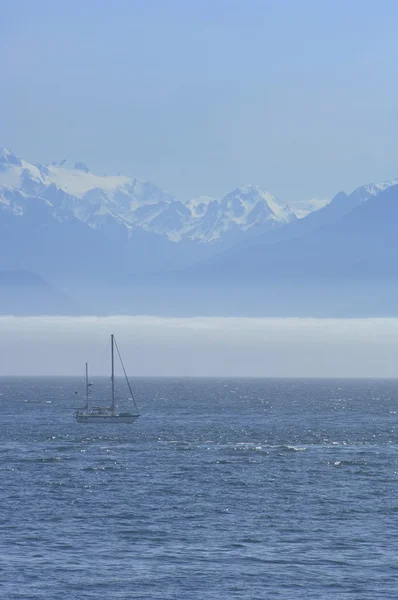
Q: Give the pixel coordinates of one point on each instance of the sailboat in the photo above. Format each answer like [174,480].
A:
[107,414]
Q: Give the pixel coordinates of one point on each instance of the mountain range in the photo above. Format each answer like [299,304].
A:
[101,201]
[67,222]
[91,235]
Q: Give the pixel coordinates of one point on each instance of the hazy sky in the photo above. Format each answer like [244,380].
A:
[298,96]
[199,346]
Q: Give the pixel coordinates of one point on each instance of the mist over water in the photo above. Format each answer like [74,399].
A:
[201,346]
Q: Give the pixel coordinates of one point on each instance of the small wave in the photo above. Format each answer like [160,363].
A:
[294,448]
[348,463]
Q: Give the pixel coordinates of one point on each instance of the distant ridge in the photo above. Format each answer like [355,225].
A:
[361,244]
[24,293]
[21,278]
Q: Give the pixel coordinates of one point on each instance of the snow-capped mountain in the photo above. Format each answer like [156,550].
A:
[101,201]
[369,190]
[244,209]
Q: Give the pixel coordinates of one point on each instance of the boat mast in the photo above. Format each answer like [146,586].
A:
[87,386]
[113,374]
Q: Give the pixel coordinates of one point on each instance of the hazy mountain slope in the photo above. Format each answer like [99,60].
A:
[339,206]
[117,244]
[70,224]
[346,269]
[25,293]
[362,244]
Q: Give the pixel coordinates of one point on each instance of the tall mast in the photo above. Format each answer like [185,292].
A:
[87,385]
[113,375]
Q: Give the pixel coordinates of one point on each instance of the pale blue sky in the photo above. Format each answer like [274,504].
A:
[298,96]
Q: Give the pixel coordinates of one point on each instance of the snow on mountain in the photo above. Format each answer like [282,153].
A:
[16,173]
[304,208]
[8,158]
[245,208]
[198,206]
[100,199]
[364,192]
[78,182]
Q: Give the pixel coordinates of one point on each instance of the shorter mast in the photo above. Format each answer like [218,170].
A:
[87,386]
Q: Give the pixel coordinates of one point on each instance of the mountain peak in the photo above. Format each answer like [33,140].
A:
[249,189]
[251,194]
[7,157]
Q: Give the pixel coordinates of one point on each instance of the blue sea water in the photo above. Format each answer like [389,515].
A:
[223,489]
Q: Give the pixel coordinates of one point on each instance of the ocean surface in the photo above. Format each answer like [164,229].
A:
[223,488]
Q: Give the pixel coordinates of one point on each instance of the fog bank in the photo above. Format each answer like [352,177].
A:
[201,346]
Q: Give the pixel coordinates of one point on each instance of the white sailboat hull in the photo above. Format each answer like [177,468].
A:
[90,418]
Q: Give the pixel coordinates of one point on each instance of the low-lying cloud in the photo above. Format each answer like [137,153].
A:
[201,346]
